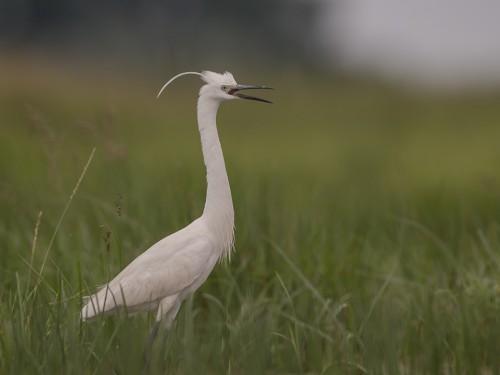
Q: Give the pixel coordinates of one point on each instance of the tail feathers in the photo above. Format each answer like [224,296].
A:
[104,302]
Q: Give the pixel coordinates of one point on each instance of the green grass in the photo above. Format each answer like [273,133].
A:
[367,227]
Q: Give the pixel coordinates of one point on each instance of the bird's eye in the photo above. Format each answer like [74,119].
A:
[223,88]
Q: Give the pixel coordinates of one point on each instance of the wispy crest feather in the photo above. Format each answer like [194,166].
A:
[174,78]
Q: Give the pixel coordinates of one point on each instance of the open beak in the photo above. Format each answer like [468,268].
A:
[235,89]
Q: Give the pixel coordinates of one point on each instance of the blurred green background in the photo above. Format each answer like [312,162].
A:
[367,211]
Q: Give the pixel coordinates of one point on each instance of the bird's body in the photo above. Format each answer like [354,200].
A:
[149,279]
[175,267]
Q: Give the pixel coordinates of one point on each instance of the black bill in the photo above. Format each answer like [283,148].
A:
[235,89]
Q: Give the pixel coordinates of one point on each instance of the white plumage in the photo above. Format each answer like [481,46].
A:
[173,268]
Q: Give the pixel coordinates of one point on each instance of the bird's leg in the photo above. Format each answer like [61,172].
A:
[170,317]
[167,310]
[164,310]
[165,340]
[146,355]
[169,321]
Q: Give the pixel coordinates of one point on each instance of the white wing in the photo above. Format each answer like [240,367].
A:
[167,268]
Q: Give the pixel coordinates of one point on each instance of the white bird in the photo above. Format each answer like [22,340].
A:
[175,267]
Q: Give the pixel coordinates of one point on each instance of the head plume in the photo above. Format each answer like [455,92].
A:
[174,78]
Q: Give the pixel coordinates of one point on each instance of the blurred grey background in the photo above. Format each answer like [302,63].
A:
[432,43]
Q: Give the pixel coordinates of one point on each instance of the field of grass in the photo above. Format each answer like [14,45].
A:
[367,226]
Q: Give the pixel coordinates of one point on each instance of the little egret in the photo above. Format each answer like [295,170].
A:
[175,267]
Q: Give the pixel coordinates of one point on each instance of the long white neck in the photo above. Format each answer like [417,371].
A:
[218,212]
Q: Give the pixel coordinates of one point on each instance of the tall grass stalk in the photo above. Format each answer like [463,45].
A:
[61,218]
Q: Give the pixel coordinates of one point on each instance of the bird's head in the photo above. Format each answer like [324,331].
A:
[222,87]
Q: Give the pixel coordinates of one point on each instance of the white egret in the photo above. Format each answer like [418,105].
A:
[175,267]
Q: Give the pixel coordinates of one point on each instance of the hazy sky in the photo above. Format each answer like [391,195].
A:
[448,42]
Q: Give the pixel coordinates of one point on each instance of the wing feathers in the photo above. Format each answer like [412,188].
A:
[167,268]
